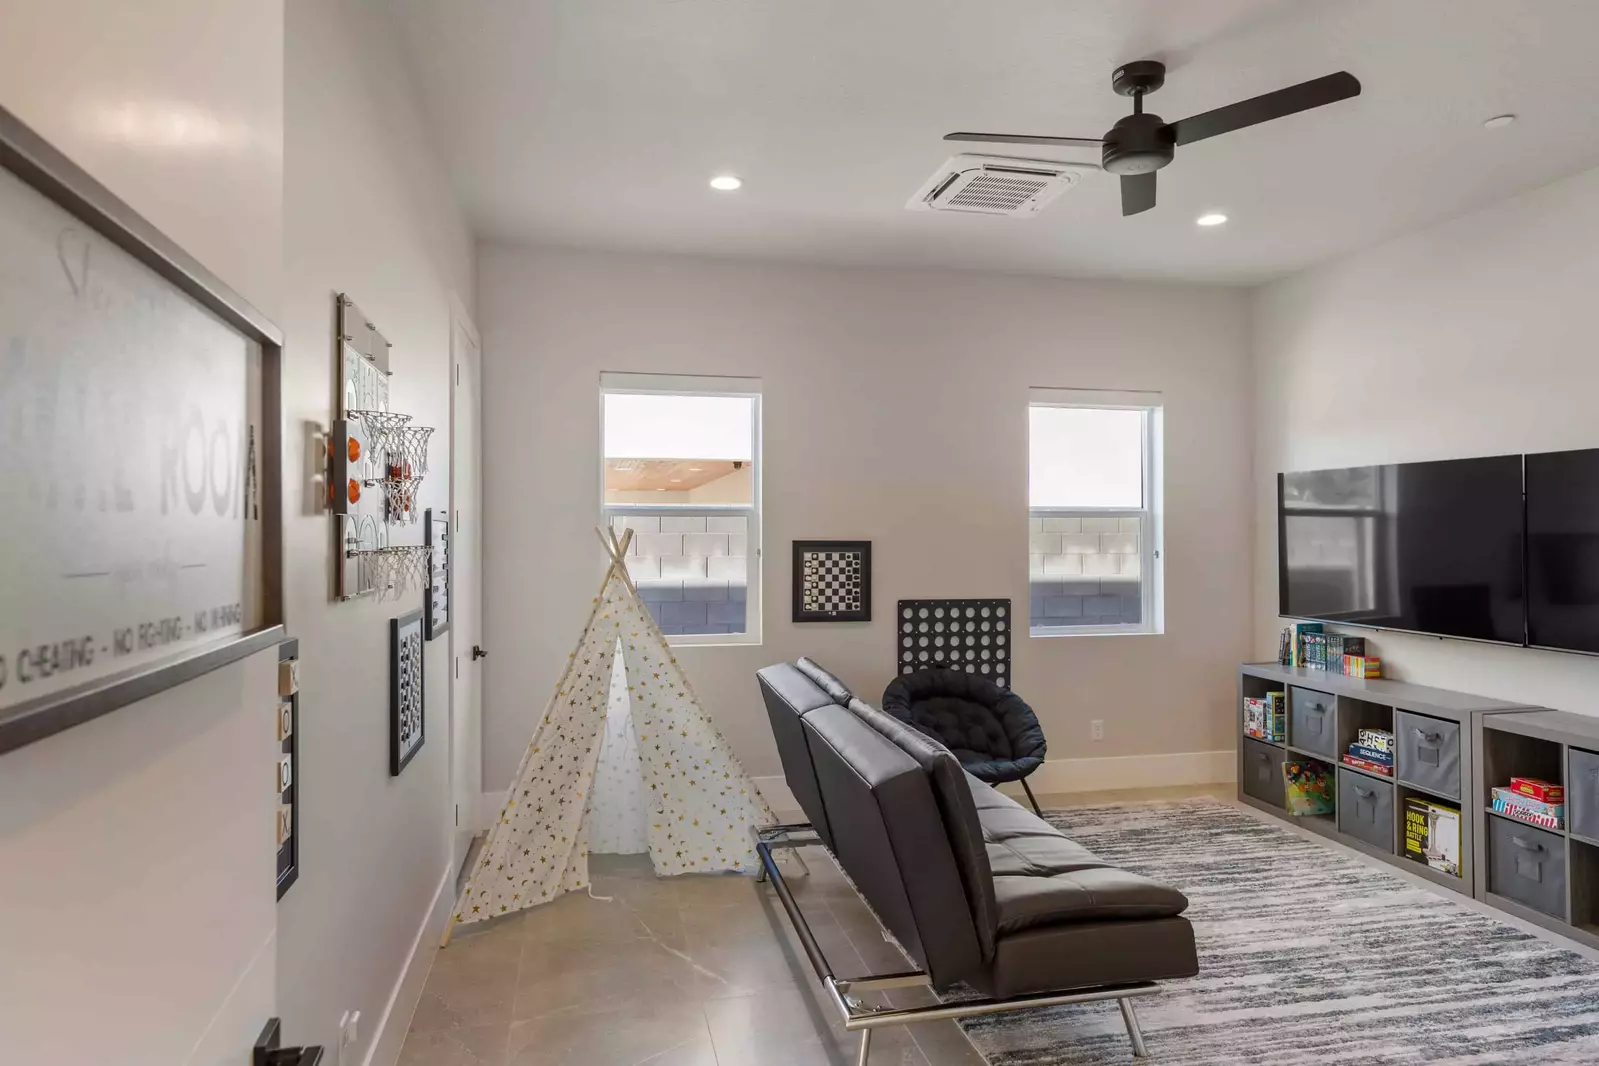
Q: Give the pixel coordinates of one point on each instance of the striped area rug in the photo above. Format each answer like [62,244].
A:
[1308,956]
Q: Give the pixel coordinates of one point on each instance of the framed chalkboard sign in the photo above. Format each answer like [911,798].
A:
[143,529]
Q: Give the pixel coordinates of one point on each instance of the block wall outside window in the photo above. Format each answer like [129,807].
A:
[1084,571]
[692,571]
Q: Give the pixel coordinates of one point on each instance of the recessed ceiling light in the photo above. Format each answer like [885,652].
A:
[677,481]
[1499,121]
[725,183]
[1214,218]
[695,469]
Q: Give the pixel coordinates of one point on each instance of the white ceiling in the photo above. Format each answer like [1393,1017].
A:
[599,122]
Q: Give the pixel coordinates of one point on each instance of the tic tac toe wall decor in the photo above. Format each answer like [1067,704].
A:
[407,723]
[376,460]
[832,581]
[970,635]
[141,481]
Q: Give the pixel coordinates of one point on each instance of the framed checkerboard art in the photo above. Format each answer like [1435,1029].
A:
[407,722]
[832,581]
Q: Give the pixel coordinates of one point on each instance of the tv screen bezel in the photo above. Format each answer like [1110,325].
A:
[1282,572]
[1526,552]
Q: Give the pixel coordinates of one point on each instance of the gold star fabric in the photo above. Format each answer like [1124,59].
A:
[700,805]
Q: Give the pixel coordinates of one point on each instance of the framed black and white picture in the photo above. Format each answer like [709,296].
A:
[832,581]
[407,723]
[436,535]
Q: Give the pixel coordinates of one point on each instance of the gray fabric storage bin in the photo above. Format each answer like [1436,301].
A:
[1429,753]
[1582,793]
[1311,723]
[1263,772]
[1366,809]
[1528,865]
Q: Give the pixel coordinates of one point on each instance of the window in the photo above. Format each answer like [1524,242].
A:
[1094,512]
[682,470]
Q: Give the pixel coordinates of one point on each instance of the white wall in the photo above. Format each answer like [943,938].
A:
[895,410]
[136,913]
[1472,337]
[136,907]
[366,213]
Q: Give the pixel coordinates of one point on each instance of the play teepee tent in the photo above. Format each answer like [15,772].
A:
[698,804]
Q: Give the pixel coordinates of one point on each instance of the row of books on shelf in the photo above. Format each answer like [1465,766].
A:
[1532,800]
[1305,644]
[1372,751]
[1266,717]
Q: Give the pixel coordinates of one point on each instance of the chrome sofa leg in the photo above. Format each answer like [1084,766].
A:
[866,1048]
[1134,1033]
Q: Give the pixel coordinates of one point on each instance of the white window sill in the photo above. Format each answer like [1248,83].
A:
[1094,631]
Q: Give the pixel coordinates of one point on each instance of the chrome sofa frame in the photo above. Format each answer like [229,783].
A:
[860,1017]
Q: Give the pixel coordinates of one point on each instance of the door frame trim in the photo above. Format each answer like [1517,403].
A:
[466,815]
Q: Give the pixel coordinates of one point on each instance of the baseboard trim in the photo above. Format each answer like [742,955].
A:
[389,1036]
[1057,775]
[1133,771]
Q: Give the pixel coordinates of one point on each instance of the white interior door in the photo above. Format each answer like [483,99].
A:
[466,619]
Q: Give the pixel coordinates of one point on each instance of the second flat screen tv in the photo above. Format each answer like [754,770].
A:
[1430,547]
[1563,550]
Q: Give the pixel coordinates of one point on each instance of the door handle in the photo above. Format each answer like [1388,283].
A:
[478,653]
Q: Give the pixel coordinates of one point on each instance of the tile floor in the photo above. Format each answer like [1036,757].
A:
[686,971]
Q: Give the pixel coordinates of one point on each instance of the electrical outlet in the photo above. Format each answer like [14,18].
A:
[1096,729]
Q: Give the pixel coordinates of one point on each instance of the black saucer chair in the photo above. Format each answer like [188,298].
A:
[991,731]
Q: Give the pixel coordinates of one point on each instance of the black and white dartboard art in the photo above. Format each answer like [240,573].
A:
[970,635]
[407,722]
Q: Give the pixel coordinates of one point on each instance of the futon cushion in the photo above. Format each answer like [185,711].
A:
[958,810]
[1081,954]
[889,837]
[789,696]
[836,690]
[1042,877]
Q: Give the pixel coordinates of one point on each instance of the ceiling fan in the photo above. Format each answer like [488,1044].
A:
[1141,143]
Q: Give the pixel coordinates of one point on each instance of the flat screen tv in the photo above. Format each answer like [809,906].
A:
[1563,550]
[1429,547]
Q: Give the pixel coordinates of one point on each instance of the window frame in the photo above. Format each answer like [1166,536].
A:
[1151,554]
[612,383]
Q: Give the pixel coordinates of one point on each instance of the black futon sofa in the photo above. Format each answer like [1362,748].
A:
[976,889]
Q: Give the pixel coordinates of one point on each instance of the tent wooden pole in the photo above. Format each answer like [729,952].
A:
[617,550]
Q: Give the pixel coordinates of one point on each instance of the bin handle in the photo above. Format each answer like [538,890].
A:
[1367,793]
[1526,845]
[1422,734]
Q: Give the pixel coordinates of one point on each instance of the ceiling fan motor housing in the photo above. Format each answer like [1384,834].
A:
[1138,144]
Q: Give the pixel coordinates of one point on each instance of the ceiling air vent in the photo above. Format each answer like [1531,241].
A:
[995,185]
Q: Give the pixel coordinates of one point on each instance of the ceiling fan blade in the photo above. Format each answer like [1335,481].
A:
[1021,138]
[1138,192]
[1301,97]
